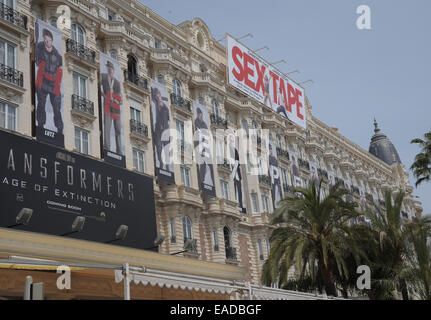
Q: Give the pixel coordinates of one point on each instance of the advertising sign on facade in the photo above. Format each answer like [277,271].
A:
[48,85]
[275,174]
[59,186]
[237,172]
[161,132]
[256,78]
[203,150]
[112,110]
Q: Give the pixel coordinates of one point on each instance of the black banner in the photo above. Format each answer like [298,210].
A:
[60,186]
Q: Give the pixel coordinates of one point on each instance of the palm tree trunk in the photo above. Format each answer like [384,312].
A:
[404,291]
[328,279]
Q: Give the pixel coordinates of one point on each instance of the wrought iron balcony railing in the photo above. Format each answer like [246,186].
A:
[138,128]
[82,104]
[136,80]
[224,165]
[11,75]
[304,164]
[13,16]
[231,254]
[264,179]
[282,153]
[180,102]
[80,51]
[218,121]
[288,189]
[193,248]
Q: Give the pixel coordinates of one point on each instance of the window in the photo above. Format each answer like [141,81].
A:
[111,15]
[227,238]
[135,110]
[215,109]
[113,54]
[259,248]
[139,160]
[78,34]
[172,230]
[244,125]
[202,101]
[82,141]
[132,65]
[7,54]
[176,87]
[284,176]
[180,134]
[254,202]
[157,44]
[265,203]
[8,116]
[187,228]
[279,144]
[219,143]
[160,79]
[79,85]
[215,239]
[268,245]
[9,3]
[53,22]
[185,176]
[224,189]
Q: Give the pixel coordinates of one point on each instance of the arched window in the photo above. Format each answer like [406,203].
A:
[176,87]
[228,242]
[132,66]
[214,104]
[78,34]
[187,228]
[113,54]
[279,144]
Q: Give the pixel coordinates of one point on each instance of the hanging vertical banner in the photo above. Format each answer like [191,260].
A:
[161,132]
[348,186]
[362,197]
[274,173]
[112,111]
[236,175]
[313,174]
[331,179]
[203,150]
[294,164]
[48,66]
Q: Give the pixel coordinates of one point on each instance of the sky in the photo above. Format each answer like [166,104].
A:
[357,74]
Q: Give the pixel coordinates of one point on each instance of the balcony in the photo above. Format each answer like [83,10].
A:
[81,52]
[231,254]
[265,180]
[224,165]
[138,82]
[83,108]
[138,128]
[13,16]
[282,153]
[322,173]
[218,121]
[191,248]
[181,103]
[11,75]
[305,165]
[288,189]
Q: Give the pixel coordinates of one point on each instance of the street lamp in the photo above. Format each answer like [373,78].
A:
[309,80]
[77,226]
[188,246]
[237,39]
[157,242]
[264,47]
[294,71]
[120,234]
[23,217]
[277,62]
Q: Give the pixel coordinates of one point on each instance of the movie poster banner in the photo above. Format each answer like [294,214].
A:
[48,66]
[348,186]
[112,111]
[256,78]
[314,174]
[203,150]
[294,164]
[236,175]
[331,179]
[161,132]
[275,174]
[58,188]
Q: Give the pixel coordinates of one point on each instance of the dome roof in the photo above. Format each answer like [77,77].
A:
[382,147]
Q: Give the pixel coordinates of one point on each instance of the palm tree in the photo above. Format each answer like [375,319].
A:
[313,235]
[422,165]
[418,271]
[386,245]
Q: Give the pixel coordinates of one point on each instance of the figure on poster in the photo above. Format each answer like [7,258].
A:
[266,92]
[49,75]
[205,156]
[111,92]
[275,176]
[161,124]
[236,173]
[282,103]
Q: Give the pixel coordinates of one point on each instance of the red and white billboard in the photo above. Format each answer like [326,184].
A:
[256,78]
